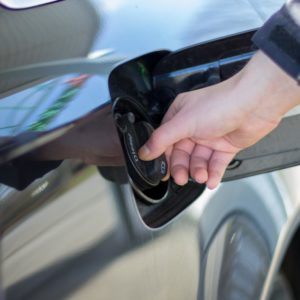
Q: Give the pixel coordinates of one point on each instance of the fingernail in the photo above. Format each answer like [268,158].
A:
[201,176]
[166,178]
[144,152]
[212,184]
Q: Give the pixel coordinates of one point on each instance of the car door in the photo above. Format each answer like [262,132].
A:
[80,233]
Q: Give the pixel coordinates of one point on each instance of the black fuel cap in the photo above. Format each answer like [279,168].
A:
[145,174]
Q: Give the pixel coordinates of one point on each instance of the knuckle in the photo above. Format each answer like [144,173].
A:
[155,138]
[180,95]
[155,141]
[216,165]
[216,173]
[179,98]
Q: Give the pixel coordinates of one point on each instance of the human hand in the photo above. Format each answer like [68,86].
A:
[204,129]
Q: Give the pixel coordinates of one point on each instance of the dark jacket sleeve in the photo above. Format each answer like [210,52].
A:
[279,38]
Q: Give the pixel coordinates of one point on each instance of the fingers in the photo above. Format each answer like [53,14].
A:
[180,161]
[217,166]
[199,163]
[169,132]
[219,144]
[162,138]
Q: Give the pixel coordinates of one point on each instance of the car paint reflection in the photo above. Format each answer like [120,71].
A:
[50,104]
[91,234]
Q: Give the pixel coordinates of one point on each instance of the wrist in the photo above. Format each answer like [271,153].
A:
[267,88]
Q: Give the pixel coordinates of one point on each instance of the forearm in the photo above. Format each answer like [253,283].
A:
[273,91]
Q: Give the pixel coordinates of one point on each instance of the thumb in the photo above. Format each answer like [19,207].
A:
[163,137]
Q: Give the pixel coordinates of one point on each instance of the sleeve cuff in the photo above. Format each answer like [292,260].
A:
[279,38]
